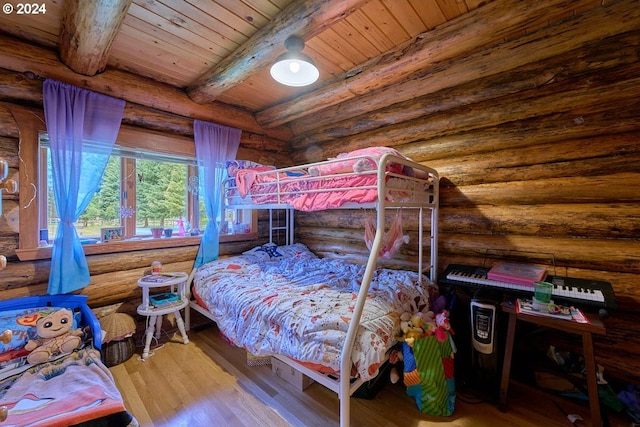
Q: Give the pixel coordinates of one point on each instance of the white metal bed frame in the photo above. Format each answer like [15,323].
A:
[427,205]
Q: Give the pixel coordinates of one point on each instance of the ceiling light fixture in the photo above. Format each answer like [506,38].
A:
[294,68]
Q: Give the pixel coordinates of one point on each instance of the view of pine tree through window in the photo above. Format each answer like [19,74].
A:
[139,191]
[160,199]
[103,210]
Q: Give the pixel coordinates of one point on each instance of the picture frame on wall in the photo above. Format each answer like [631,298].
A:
[109,234]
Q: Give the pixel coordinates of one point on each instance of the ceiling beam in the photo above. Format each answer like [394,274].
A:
[23,57]
[427,51]
[87,33]
[451,81]
[302,18]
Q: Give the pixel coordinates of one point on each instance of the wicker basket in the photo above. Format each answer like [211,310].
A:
[117,352]
[119,344]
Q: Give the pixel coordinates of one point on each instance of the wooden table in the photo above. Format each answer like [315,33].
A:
[586,330]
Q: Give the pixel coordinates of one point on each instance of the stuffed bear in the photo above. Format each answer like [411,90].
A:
[55,337]
[413,327]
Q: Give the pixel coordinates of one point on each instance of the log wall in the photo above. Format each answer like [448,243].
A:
[537,142]
[536,137]
[114,276]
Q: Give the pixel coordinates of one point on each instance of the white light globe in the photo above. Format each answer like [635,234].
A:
[292,72]
[294,68]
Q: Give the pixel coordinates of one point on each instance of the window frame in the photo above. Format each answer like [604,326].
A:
[30,124]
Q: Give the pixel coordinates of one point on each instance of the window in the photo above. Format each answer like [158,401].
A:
[101,212]
[160,197]
[140,191]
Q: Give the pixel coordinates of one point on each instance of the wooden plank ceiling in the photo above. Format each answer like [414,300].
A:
[221,50]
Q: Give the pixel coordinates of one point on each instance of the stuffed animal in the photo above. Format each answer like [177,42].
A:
[413,327]
[55,337]
[395,359]
[443,326]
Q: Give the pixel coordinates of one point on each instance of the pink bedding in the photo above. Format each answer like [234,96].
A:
[310,193]
[74,389]
[351,177]
[285,300]
[303,192]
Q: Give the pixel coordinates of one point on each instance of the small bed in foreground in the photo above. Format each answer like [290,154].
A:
[324,317]
[70,388]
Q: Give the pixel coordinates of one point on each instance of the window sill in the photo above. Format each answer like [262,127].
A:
[44,252]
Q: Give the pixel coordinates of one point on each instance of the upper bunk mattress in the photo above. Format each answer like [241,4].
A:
[363,177]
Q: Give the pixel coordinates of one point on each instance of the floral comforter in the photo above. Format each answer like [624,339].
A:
[285,300]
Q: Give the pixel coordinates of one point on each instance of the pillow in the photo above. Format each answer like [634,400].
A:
[265,252]
[296,250]
[22,324]
[352,164]
[272,252]
[233,166]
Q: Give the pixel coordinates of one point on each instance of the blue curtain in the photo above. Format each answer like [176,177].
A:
[215,145]
[76,119]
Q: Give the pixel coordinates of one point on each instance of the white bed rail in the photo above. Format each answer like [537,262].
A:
[420,191]
[275,192]
[382,205]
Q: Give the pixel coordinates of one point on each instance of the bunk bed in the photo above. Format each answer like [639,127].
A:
[64,388]
[313,313]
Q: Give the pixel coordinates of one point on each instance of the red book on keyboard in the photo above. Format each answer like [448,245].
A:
[518,274]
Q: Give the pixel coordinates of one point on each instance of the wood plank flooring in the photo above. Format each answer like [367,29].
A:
[209,383]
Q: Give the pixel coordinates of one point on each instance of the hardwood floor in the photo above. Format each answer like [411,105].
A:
[209,383]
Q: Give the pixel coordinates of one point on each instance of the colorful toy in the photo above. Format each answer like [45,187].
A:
[413,327]
[55,337]
[424,361]
[442,326]
[181,230]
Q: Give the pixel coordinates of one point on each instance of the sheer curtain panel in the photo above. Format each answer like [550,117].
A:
[76,118]
[215,144]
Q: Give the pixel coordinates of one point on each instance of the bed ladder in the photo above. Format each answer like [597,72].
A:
[287,227]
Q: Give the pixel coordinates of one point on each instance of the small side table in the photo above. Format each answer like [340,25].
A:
[586,330]
[177,283]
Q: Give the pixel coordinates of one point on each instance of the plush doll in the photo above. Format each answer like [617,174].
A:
[443,326]
[411,328]
[395,359]
[55,337]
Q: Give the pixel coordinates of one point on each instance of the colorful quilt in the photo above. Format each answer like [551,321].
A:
[285,300]
[73,389]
